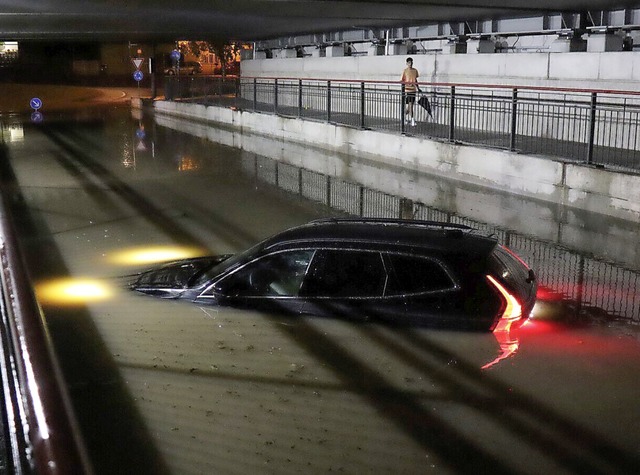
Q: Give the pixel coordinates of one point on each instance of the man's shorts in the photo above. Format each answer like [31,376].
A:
[411,97]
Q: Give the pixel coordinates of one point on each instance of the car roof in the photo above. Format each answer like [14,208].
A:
[394,233]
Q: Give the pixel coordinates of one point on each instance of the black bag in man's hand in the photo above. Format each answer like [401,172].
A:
[424,102]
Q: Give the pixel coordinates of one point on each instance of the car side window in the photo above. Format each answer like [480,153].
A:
[415,275]
[345,273]
[274,275]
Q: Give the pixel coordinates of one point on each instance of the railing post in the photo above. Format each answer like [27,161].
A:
[514,118]
[452,114]
[255,94]
[362,105]
[402,109]
[592,127]
[299,97]
[328,101]
[275,96]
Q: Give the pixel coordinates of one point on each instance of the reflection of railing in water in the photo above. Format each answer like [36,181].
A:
[586,126]
[592,285]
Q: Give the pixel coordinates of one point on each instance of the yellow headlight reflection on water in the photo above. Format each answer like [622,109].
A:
[69,291]
[153,254]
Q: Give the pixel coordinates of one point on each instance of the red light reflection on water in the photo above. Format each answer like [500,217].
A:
[566,341]
[509,344]
[549,295]
[553,338]
[561,328]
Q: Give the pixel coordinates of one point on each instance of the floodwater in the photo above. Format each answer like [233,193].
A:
[171,387]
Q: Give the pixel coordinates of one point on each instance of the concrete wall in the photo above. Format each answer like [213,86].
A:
[580,187]
[609,70]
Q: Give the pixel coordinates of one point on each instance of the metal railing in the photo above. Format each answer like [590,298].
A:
[595,127]
[41,435]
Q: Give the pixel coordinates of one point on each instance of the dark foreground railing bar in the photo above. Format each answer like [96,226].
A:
[43,435]
[593,127]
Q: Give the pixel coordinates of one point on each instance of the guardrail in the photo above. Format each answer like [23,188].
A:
[594,127]
[40,430]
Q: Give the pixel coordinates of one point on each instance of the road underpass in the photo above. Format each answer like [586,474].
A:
[171,387]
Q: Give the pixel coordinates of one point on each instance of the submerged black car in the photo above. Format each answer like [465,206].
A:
[395,271]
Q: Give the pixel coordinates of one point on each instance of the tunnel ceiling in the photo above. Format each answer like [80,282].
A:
[138,20]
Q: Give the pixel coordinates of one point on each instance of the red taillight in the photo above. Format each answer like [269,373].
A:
[512,311]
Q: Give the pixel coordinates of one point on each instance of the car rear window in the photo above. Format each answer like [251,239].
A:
[414,274]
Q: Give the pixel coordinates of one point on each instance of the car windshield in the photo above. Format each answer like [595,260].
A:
[228,264]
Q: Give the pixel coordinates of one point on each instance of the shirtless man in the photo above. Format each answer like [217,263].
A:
[410,81]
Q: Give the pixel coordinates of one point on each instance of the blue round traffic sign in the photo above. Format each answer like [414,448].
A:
[138,75]
[35,103]
[140,133]
[175,55]
[37,117]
